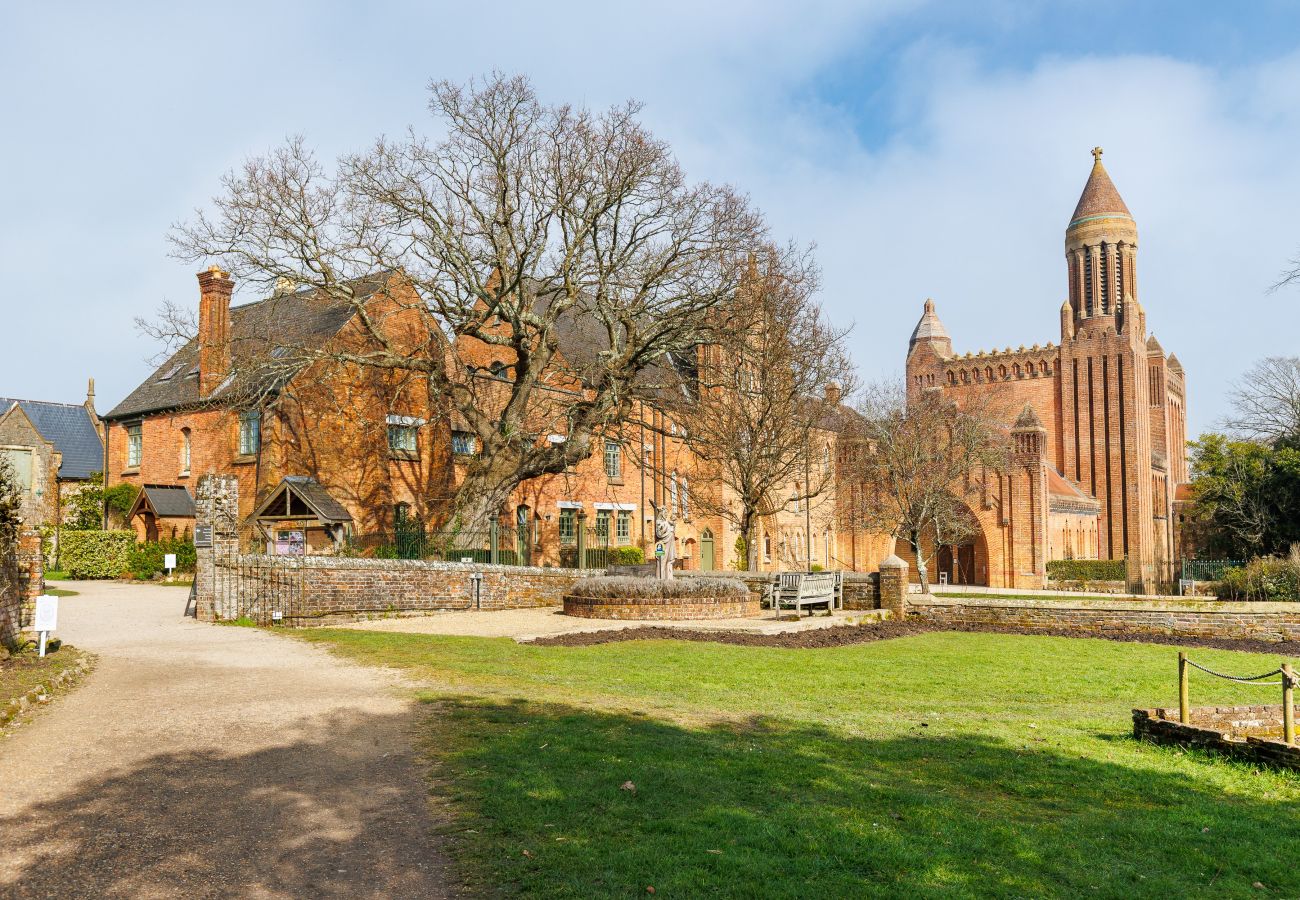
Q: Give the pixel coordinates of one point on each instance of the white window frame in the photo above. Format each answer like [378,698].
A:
[250,431]
[614,455]
[134,445]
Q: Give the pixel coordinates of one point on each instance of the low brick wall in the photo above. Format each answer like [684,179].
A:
[1221,729]
[661,609]
[1193,618]
[22,578]
[321,590]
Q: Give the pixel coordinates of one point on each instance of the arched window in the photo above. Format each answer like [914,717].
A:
[674,496]
[186,449]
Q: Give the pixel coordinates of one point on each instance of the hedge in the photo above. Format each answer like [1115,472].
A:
[96,554]
[603,587]
[1086,570]
[146,560]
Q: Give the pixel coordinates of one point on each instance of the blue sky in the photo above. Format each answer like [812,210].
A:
[927,149]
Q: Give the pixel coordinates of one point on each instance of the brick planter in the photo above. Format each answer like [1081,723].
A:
[660,608]
[1250,733]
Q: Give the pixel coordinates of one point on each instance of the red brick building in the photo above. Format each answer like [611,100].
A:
[1101,434]
[324,450]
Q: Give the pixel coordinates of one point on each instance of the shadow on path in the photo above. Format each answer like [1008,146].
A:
[308,819]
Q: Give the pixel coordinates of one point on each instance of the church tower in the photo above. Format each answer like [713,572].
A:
[1103,383]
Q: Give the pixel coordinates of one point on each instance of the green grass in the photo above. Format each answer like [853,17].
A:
[936,765]
[25,670]
[55,575]
[60,592]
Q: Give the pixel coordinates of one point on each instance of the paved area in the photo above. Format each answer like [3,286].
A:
[208,761]
[526,624]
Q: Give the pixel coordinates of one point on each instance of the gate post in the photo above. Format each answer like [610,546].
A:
[216,540]
[893,586]
[494,542]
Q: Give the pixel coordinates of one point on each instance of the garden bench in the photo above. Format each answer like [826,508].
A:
[802,589]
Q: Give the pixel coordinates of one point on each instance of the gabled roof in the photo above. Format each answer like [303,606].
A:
[70,429]
[299,490]
[1099,197]
[303,319]
[166,501]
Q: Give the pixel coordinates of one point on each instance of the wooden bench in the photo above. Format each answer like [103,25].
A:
[802,589]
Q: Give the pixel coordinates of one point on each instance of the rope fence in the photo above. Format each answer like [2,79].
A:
[1288,682]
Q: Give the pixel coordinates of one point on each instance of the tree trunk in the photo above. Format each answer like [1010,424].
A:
[751,549]
[920,562]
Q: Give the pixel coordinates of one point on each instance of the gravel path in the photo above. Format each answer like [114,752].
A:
[207,761]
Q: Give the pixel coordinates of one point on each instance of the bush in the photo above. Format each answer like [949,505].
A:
[96,554]
[147,559]
[1086,570]
[611,587]
[119,499]
[1263,578]
[626,556]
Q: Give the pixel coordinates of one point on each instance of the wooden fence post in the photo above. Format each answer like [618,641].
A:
[1288,707]
[1184,712]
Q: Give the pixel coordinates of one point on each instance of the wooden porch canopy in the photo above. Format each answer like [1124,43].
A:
[301,498]
[164,501]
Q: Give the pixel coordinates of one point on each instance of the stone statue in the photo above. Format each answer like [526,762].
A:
[665,536]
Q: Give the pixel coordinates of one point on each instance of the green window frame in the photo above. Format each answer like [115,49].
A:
[568,523]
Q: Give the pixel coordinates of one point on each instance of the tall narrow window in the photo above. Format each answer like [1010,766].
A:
[185,451]
[624,526]
[568,526]
[250,432]
[686,497]
[602,526]
[613,460]
[134,445]
[674,496]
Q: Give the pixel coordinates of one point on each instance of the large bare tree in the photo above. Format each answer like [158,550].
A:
[524,226]
[759,419]
[1266,400]
[911,461]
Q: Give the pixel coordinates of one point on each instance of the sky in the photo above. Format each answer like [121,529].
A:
[926,149]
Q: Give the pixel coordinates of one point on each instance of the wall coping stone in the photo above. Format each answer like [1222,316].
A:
[1133,604]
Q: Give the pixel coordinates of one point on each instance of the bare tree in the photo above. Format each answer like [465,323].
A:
[911,463]
[1266,400]
[761,409]
[525,224]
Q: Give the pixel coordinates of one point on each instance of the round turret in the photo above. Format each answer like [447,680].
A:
[1100,247]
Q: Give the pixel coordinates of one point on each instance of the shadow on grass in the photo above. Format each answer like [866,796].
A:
[309,818]
[777,811]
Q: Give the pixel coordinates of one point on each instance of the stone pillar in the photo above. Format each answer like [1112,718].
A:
[216,539]
[22,580]
[893,586]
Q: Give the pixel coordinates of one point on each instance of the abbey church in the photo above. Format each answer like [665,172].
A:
[1098,421]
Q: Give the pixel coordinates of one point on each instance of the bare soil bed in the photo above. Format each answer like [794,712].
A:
[845,635]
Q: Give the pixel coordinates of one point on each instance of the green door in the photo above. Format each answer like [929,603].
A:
[706,551]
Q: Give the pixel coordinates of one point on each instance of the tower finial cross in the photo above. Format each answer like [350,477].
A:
[1096,154]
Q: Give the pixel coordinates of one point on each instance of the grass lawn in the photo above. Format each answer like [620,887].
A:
[60,592]
[936,765]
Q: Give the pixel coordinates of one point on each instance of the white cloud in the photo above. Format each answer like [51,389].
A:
[961,191]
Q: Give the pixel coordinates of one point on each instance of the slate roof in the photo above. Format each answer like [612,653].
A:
[70,429]
[929,328]
[169,501]
[305,319]
[1099,197]
[314,494]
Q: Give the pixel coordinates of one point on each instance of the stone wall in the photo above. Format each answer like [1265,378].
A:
[1211,728]
[22,578]
[1189,617]
[318,590]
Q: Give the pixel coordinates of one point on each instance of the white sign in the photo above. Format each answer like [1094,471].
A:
[169,561]
[47,614]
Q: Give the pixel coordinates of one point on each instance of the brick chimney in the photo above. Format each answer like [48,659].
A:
[215,288]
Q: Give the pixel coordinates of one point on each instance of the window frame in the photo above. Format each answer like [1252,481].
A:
[567,526]
[187,451]
[613,454]
[467,436]
[623,527]
[250,432]
[134,445]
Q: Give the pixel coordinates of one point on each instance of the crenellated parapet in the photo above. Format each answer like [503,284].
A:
[989,366]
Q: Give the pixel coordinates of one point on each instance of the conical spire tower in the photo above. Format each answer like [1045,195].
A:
[1101,248]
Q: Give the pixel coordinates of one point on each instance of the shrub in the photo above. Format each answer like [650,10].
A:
[627,556]
[96,554]
[147,559]
[1086,570]
[119,499]
[619,586]
[1263,578]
